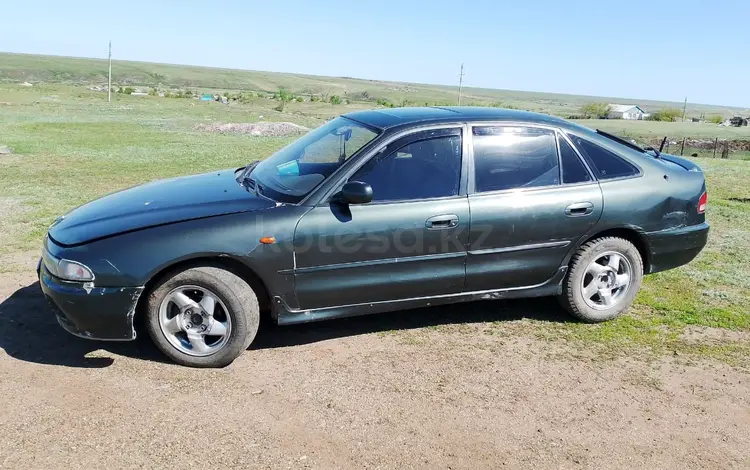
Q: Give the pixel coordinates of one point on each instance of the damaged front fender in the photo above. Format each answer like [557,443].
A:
[91,312]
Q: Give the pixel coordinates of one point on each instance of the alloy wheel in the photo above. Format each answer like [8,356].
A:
[607,280]
[194,320]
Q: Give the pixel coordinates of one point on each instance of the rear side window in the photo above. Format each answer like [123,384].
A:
[573,170]
[605,164]
[514,157]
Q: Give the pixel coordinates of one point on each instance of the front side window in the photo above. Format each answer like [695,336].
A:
[512,157]
[294,171]
[424,169]
[605,164]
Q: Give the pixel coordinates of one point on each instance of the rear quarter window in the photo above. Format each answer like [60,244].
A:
[604,164]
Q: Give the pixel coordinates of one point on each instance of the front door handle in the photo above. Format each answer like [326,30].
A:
[441,222]
[579,209]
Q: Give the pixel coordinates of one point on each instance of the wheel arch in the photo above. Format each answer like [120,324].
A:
[227,263]
[634,236]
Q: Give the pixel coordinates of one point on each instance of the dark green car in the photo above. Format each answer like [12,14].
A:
[376,211]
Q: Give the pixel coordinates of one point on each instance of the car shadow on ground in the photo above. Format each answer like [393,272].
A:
[29,330]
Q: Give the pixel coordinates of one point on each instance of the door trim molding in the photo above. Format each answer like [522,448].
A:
[533,246]
[374,262]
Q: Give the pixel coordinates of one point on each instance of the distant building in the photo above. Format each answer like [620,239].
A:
[626,111]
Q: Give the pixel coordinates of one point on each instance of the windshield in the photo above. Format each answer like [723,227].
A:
[291,173]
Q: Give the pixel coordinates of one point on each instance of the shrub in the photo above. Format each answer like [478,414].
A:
[300,99]
[284,96]
[385,102]
[314,98]
[153,92]
[716,119]
[336,99]
[666,114]
[595,110]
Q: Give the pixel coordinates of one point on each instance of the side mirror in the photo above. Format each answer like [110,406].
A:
[355,192]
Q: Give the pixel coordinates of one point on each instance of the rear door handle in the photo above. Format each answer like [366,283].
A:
[579,209]
[441,222]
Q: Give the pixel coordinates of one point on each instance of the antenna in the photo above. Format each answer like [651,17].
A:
[109,80]
[460,83]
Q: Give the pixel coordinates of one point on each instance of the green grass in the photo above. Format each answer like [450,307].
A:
[71,146]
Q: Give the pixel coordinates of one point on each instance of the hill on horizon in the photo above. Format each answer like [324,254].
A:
[89,71]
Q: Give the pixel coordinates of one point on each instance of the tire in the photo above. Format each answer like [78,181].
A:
[233,310]
[610,296]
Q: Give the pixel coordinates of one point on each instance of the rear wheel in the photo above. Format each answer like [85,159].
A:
[603,279]
[203,317]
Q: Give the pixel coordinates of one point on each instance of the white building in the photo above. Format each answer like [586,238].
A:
[626,111]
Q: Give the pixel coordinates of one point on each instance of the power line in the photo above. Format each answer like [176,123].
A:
[684,107]
[109,80]
[460,83]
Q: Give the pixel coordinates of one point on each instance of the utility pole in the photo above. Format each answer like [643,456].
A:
[460,83]
[684,107]
[109,80]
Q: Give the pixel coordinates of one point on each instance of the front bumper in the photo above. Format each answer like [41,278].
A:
[91,312]
[675,247]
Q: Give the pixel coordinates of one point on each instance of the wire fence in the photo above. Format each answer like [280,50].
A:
[706,148]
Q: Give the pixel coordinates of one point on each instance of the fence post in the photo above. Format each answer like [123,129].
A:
[725,150]
[682,149]
[716,144]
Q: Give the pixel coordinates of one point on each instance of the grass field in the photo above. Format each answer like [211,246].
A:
[70,146]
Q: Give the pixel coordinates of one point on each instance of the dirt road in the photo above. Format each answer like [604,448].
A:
[378,392]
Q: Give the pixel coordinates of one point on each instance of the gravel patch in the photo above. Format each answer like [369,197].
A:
[263,129]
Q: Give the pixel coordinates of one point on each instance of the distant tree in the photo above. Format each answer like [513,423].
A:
[283,96]
[336,99]
[595,110]
[666,114]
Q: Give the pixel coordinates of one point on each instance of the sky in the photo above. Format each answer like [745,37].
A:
[647,49]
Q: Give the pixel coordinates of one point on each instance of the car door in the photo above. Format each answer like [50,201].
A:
[409,242]
[531,196]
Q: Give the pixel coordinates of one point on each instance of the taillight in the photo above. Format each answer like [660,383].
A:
[702,203]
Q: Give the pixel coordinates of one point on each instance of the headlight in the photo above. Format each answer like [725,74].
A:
[66,269]
[73,271]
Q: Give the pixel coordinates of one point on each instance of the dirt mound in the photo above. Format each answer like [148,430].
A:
[264,129]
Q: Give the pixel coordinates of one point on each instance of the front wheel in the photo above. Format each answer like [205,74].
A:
[603,279]
[203,317]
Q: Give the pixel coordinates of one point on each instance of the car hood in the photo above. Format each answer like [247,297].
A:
[156,203]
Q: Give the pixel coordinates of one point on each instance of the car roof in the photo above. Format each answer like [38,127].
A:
[404,117]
